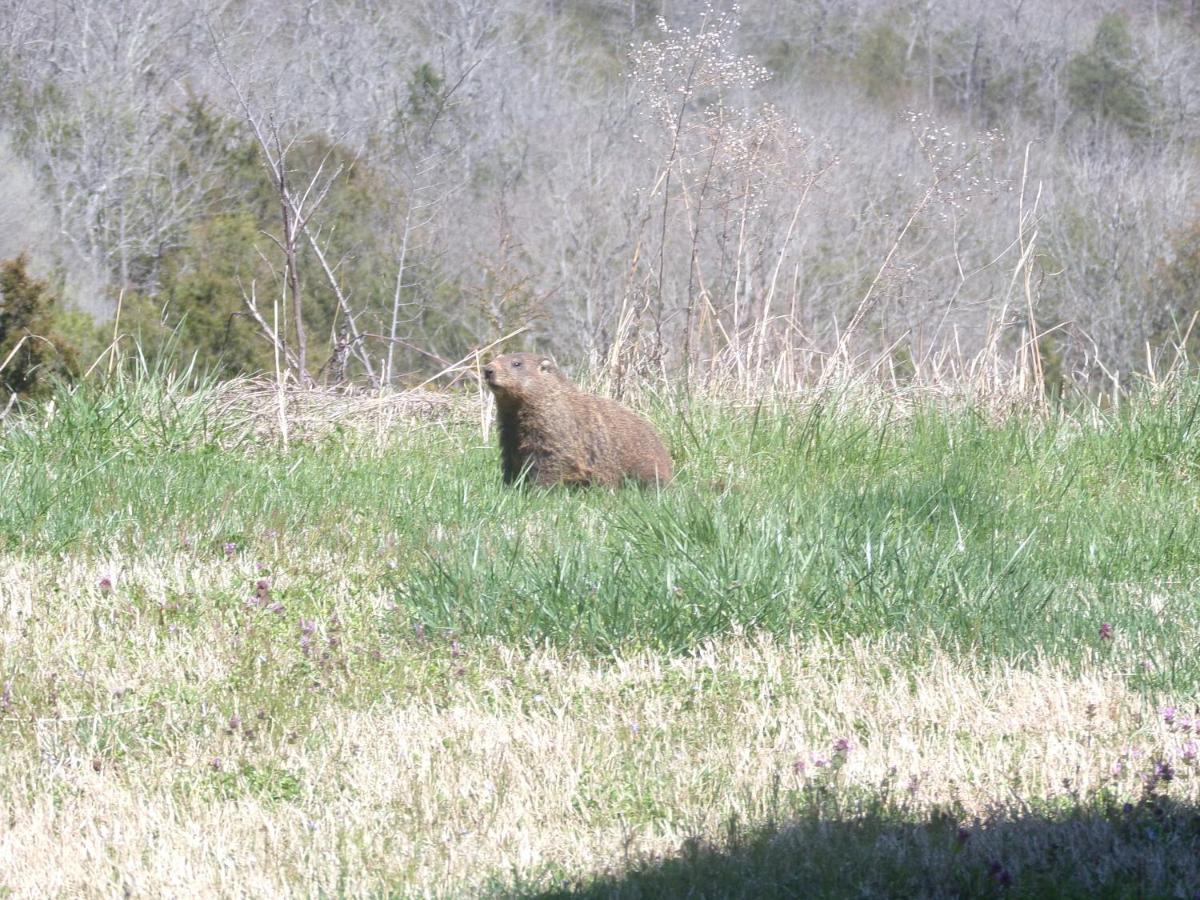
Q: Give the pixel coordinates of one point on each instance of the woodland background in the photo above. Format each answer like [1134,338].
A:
[658,185]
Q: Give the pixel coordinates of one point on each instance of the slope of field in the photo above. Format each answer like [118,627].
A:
[861,645]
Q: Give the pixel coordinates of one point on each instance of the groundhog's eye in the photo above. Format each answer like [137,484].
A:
[516,364]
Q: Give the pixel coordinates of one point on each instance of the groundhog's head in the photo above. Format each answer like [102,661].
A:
[517,376]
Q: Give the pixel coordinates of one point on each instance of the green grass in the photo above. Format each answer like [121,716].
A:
[820,569]
[1001,539]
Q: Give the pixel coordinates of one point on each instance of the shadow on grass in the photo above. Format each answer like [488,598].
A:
[1148,849]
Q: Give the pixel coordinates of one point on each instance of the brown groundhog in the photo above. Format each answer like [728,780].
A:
[553,432]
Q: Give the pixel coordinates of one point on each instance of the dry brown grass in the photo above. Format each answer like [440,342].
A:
[447,769]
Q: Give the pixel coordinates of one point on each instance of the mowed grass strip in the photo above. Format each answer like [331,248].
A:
[239,751]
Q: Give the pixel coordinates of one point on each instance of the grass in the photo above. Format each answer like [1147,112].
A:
[855,647]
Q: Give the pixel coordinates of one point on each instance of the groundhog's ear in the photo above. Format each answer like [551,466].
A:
[546,365]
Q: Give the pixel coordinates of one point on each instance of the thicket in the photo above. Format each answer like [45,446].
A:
[32,352]
[360,192]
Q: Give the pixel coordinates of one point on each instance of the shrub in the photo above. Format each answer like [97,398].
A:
[1106,80]
[30,350]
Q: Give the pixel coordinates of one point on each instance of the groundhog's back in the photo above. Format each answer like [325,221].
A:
[619,443]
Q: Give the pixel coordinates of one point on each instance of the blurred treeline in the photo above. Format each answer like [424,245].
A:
[412,180]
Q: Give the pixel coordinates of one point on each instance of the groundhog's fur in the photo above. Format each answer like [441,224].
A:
[553,432]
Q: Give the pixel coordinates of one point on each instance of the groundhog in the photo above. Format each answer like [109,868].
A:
[551,432]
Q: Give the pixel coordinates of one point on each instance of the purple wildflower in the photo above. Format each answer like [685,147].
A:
[798,766]
[106,584]
[999,874]
[1168,714]
[307,628]
[1188,751]
[1106,631]
[230,548]
[842,746]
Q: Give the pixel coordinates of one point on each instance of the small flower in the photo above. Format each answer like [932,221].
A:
[454,651]
[962,836]
[1117,768]
[1163,770]
[798,766]
[999,874]
[230,548]
[842,746]
[820,761]
[215,762]
[275,607]
[106,584]
[1168,714]
[1106,631]
[1188,751]
[307,628]
[235,722]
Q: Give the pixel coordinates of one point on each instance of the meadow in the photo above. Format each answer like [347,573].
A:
[868,642]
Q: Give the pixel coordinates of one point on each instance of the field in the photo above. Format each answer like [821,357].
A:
[866,644]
